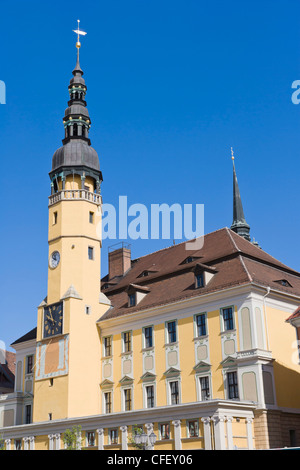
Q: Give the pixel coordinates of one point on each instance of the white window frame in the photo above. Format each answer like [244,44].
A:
[222,319]
[145,385]
[168,385]
[123,341]
[86,438]
[127,387]
[109,436]
[167,331]
[111,345]
[199,376]
[226,384]
[196,327]
[144,337]
[109,390]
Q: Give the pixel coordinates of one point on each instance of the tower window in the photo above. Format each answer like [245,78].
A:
[75,129]
[91,252]
[91,217]
[54,218]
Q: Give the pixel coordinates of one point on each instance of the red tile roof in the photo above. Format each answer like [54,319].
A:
[236,262]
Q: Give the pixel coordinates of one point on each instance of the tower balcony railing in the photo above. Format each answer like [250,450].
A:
[74,194]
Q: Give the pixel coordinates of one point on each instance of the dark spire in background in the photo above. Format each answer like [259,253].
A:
[239,224]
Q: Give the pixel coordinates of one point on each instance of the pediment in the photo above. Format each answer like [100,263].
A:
[229,361]
[126,380]
[106,383]
[148,376]
[172,372]
[202,365]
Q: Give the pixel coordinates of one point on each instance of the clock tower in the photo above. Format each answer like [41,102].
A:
[67,371]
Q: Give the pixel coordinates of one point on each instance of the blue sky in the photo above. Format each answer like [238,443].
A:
[172,85]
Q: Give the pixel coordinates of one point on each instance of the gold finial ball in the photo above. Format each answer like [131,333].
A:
[232,158]
[78,45]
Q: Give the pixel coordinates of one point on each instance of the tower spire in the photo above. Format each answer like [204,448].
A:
[239,224]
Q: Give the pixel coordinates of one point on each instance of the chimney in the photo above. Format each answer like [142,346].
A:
[119,261]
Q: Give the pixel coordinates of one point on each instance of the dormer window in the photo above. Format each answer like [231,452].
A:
[136,293]
[131,300]
[199,280]
[284,283]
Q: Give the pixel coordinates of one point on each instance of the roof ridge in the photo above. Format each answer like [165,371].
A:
[181,243]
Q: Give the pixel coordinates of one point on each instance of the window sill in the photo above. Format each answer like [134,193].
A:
[198,338]
[148,349]
[168,345]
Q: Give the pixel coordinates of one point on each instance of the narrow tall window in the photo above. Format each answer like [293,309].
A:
[165,431]
[54,218]
[132,300]
[90,437]
[172,332]
[107,402]
[201,324]
[233,391]
[91,217]
[91,252]
[127,341]
[228,318]
[107,346]
[127,399]
[199,280]
[148,332]
[174,390]
[29,366]
[150,396]
[28,414]
[204,388]
[75,129]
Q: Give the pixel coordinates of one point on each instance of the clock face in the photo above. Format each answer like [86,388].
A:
[53,320]
[54,259]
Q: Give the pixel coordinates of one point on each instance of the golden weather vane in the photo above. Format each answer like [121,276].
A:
[79,33]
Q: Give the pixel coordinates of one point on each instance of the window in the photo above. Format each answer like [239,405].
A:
[199,280]
[90,438]
[127,341]
[50,416]
[87,310]
[54,218]
[91,252]
[29,365]
[131,300]
[150,396]
[233,391]
[75,128]
[113,436]
[204,388]
[201,324]
[27,414]
[107,402]
[193,428]
[228,318]
[174,392]
[127,399]
[51,382]
[91,217]
[107,346]
[164,431]
[148,335]
[18,444]
[293,440]
[171,326]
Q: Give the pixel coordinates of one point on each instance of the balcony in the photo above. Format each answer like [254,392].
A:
[75,194]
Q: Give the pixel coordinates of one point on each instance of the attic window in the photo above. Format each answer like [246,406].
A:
[131,300]
[189,259]
[199,280]
[284,283]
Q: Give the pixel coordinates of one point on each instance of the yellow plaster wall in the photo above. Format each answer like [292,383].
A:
[282,343]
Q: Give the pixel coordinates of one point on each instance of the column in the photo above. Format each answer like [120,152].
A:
[249,433]
[229,433]
[51,441]
[207,433]
[100,433]
[57,441]
[124,439]
[177,433]
[218,423]
[26,443]
[8,444]
[149,427]
[31,442]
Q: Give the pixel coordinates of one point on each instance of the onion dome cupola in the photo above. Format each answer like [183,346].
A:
[76,156]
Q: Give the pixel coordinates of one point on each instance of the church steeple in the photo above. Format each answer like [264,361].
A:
[239,224]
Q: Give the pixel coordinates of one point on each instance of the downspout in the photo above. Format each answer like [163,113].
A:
[265,316]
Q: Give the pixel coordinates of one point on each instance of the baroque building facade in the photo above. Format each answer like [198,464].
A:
[198,346]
